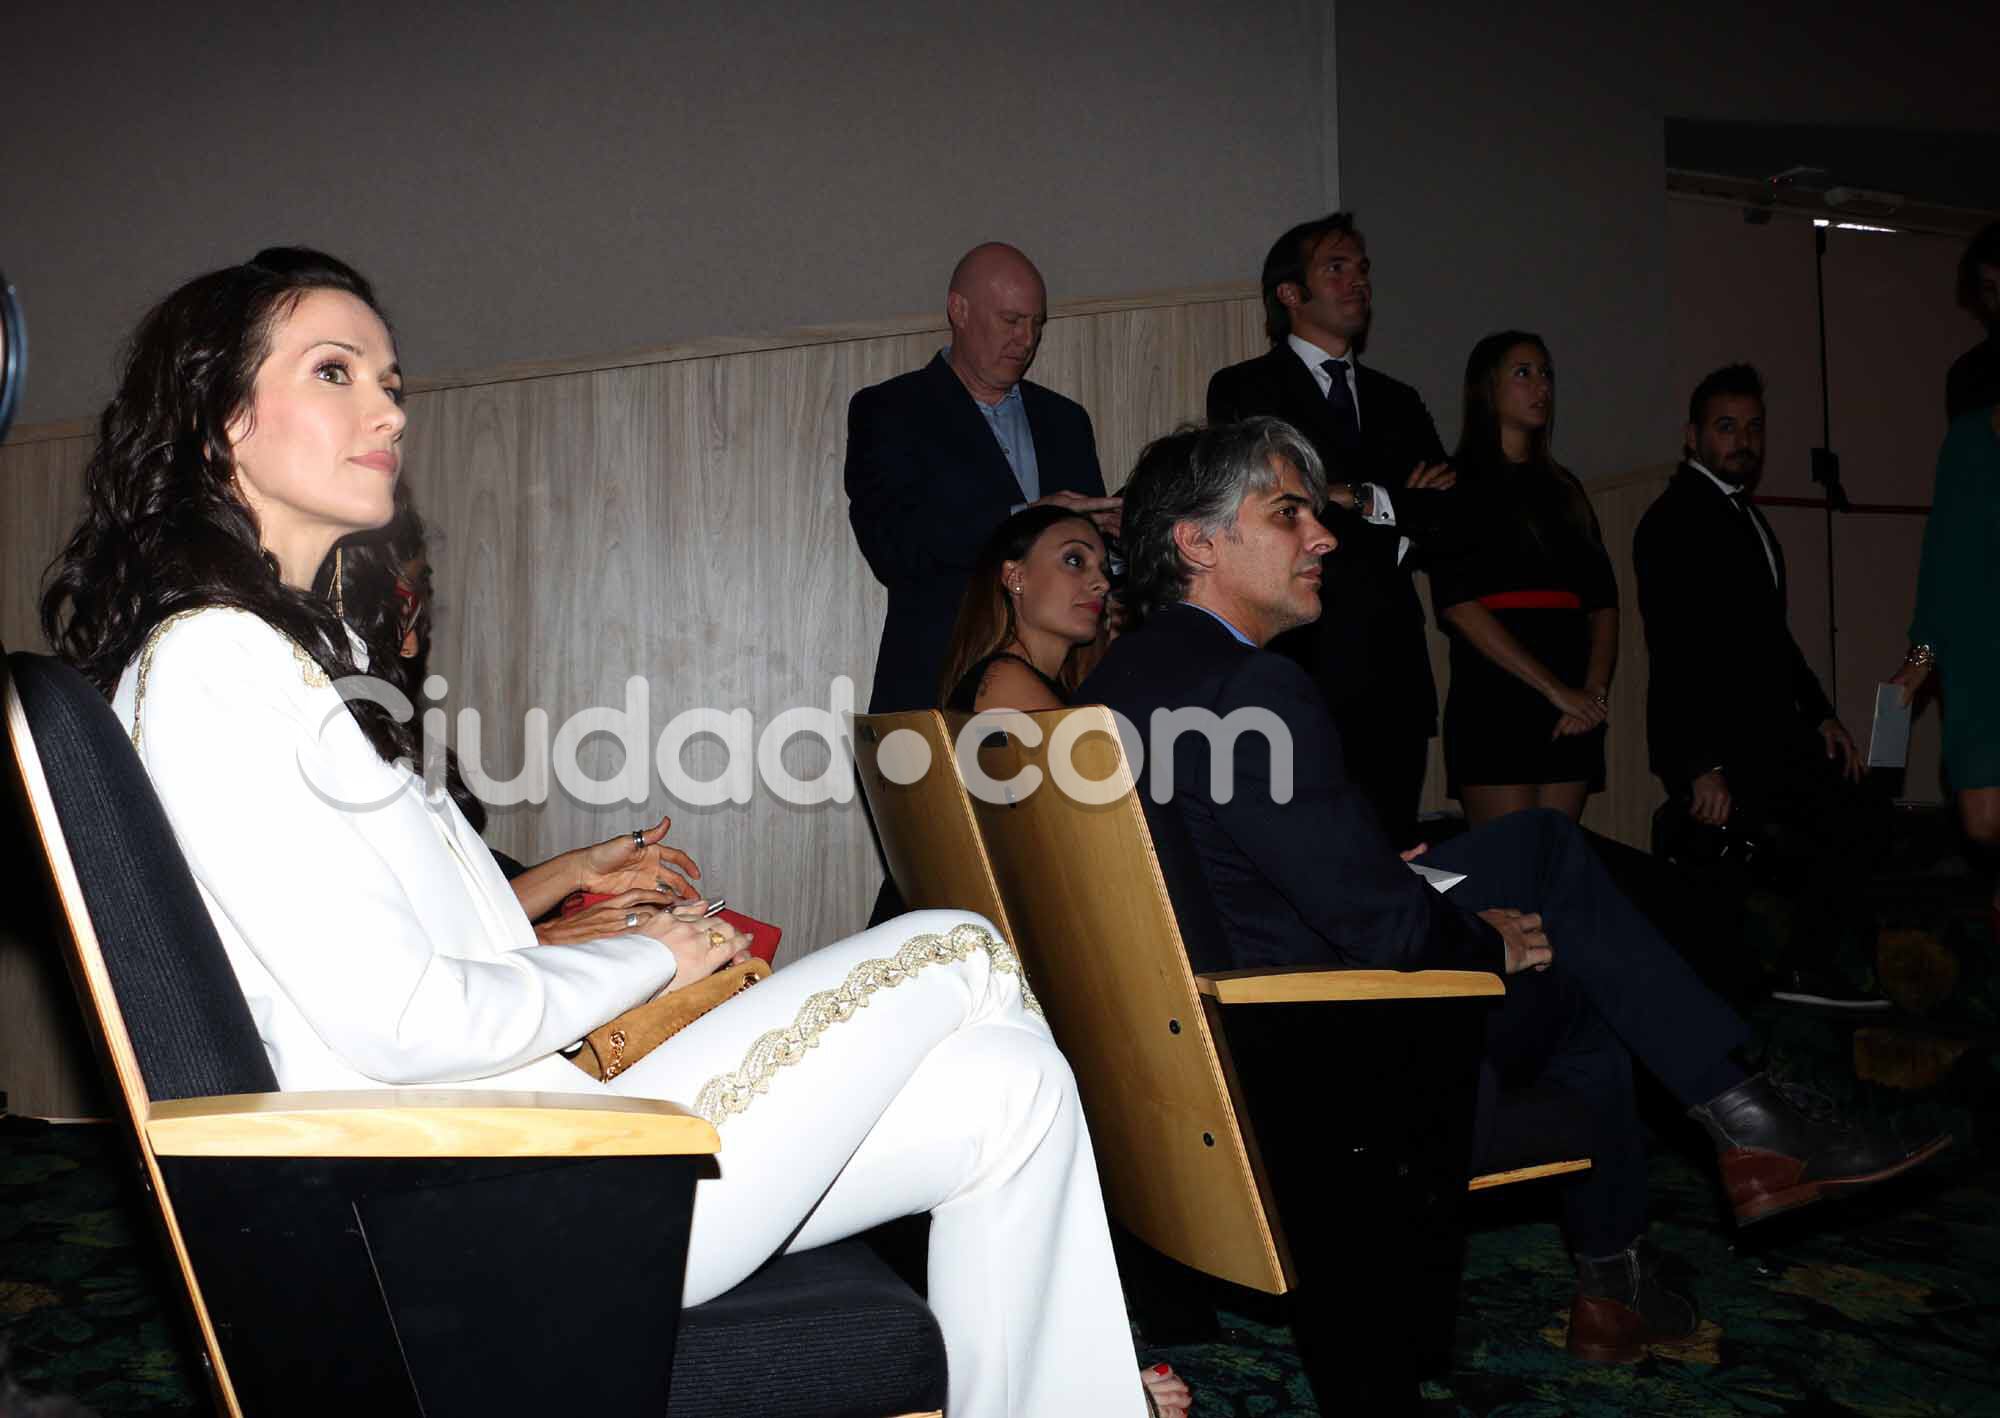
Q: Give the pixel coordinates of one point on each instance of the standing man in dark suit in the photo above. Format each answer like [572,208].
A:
[1738,728]
[1223,553]
[937,458]
[1372,434]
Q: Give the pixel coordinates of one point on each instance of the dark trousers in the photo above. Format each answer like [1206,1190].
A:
[1386,759]
[1616,991]
[1843,827]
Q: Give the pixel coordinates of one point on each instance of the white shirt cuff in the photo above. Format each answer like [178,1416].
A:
[1381,511]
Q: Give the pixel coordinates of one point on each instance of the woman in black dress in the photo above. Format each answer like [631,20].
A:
[1032,620]
[1528,598]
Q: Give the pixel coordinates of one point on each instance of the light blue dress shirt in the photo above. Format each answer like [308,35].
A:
[1009,421]
[1224,624]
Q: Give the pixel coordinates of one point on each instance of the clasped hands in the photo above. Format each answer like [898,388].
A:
[647,891]
[1579,711]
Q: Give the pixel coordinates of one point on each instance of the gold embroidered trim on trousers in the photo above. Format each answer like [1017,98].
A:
[728,1094]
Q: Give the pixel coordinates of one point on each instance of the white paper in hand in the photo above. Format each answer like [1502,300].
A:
[1441,881]
[1889,741]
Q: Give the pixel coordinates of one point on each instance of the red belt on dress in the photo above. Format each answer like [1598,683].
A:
[1532,601]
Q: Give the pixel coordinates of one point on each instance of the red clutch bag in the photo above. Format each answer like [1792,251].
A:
[764,936]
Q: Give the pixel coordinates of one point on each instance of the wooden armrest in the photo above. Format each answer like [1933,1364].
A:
[1296,984]
[1528,1174]
[395,1122]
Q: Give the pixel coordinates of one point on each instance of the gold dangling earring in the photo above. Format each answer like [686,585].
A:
[339,603]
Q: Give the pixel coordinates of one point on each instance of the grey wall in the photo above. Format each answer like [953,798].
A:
[536,181]
[1507,165]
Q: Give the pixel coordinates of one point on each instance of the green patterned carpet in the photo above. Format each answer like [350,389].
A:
[1888,1306]
[1891,1307]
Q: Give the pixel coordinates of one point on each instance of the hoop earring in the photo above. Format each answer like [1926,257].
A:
[339,604]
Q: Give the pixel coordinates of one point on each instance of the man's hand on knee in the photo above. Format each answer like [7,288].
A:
[1521,932]
[1711,800]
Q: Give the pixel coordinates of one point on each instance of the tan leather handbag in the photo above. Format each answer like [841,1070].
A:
[612,1048]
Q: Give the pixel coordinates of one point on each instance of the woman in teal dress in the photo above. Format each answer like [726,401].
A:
[1957,624]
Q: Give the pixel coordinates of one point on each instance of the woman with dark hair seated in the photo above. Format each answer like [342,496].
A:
[1032,621]
[256,432]
[1527,595]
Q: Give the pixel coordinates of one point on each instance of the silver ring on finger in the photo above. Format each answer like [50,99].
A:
[631,919]
[639,838]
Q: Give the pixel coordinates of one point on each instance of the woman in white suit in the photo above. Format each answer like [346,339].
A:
[907,1069]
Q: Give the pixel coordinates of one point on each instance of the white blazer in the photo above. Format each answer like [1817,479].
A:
[377,945]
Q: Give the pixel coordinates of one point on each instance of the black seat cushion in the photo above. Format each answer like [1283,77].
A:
[827,1333]
[183,1008]
[1535,1124]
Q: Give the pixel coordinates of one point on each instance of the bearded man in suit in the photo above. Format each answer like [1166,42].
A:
[1372,434]
[1738,728]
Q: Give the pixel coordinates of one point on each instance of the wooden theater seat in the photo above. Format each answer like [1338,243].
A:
[924,820]
[1305,1132]
[405,1252]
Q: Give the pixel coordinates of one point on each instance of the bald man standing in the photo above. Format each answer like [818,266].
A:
[937,458]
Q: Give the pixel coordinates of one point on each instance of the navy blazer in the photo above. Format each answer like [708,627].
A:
[1369,647]
[1313,880]
[927,483]
[1727,682]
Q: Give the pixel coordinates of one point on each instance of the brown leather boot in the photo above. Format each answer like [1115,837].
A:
[1779,1149]
[1622,1304]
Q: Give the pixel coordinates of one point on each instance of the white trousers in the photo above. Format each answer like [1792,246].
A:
[943,1093]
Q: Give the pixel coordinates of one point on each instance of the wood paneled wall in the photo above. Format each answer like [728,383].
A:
[683,520]
[679,516]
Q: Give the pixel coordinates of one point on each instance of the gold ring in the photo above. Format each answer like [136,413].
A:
[716,938]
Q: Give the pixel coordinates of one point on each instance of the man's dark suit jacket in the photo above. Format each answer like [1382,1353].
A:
[1369,646]
[1313,880]
[927,483]
[1728,682]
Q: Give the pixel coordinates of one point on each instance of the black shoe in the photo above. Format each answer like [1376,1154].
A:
[1823,989]
[1623,1303]
[1780,1147]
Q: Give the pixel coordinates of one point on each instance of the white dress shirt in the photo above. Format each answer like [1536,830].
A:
[375,945]
[1381,511]
[1729,490]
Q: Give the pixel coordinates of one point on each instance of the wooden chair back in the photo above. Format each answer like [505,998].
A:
[1099,939]
[922,814]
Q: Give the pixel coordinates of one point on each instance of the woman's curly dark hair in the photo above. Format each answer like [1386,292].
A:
[162,530]
[388,599]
